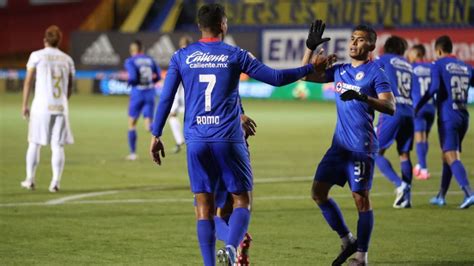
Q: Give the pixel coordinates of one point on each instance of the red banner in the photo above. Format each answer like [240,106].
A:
[463,41]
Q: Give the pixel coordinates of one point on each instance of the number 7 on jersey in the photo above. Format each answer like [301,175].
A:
[210,79]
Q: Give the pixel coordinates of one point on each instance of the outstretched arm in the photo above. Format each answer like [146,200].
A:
[320,62]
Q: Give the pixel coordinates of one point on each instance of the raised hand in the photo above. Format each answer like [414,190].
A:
[322,62]
[315,35]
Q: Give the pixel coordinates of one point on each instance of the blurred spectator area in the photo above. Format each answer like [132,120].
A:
[24,22]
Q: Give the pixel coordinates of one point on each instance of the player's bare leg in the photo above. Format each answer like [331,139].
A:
[132,138]
[205,226]
[32,161]
[332,214]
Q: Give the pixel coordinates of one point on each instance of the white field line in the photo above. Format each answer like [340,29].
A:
[80,196]
[268,180]
[189,199]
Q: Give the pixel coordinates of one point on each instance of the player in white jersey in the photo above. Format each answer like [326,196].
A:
[48,118]
[178,105]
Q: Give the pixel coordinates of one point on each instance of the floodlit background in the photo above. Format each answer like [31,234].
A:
[111,211]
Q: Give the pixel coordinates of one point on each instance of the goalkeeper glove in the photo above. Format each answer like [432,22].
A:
[354,95]
[315,35]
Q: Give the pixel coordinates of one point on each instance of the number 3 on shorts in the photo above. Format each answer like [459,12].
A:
[210,79]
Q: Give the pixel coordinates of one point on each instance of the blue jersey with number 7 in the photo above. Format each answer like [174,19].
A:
[210,72]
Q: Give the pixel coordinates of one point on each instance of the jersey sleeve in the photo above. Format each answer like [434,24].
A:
[32,61]
[72,68]
[132,72]
[330,73]
[261,72]
[381,83]
[172,81]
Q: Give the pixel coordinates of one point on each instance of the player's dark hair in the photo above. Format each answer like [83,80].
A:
[53,35]
[444,43]
[395,45]
[139,44]
[371,34]
[210,16]
[420,50]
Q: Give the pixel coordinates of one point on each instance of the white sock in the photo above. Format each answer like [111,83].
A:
[176,129]
[347,239]
[32,160]
[57,162]
[362,256]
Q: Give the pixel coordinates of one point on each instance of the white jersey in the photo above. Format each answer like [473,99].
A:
[53,68]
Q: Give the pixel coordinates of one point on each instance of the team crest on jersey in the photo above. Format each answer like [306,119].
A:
[360,75]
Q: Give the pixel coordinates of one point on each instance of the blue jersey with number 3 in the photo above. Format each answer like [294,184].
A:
[354,127]
[450,80]
[210,73]
[399,73]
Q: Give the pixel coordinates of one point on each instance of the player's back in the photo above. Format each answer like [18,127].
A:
[454,79]
[421,84]
[53,68]
[399,72]
[142,71]
[210,73]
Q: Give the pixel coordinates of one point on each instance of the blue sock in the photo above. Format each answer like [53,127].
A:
[364,230]
[421,153]
[222,228]
[460,174]
[333,216]
[207,241]
[132,140]
[407,174]
[387,170]
[445,180]
[426,154]
[238,225]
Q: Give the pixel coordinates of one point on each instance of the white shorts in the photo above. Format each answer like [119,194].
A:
[44,129]
[178,103]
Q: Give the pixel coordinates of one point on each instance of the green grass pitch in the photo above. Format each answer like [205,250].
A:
[143,214]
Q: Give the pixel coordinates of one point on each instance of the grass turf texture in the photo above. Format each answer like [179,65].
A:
[148,218]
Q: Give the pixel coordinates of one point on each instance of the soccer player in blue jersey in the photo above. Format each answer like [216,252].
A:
[450,80]
[363,88]
[209,70]
[425,118]
[399,127]
[143,73]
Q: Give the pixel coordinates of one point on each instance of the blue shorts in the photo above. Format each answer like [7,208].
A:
[399,128]
[451,133]
[340,165]
[424,121]
[209,162]
[141,101]
[221,195]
